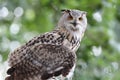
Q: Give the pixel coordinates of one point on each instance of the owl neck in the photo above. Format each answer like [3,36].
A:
[76,35]
[71,39]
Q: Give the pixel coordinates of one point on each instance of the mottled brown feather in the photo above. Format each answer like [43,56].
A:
[43,60]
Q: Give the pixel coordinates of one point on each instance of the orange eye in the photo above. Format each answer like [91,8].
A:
[80,18]
[70,17]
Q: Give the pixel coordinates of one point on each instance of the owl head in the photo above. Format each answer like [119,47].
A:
[73,20]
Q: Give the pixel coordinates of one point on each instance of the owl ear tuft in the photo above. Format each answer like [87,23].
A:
[84,13]
[65,10]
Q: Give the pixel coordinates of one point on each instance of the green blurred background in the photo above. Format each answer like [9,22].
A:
[99,54]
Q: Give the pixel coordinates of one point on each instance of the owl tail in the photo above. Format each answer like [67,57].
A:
[13,76]
[10,72]
[9,78]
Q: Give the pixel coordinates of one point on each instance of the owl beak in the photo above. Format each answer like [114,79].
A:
[74,23]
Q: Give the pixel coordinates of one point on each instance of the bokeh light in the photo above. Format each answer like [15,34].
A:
[3,12]
[18,12]
[97,16]
[14,28]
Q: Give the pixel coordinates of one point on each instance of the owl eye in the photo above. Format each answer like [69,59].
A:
[80,18]
[70,17]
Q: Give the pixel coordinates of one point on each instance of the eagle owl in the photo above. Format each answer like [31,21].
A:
[50,56]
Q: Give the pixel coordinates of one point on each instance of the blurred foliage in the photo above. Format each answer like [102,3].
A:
[99,54]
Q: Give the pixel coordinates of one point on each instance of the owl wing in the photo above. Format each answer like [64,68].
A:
[42,62]
[47,38]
